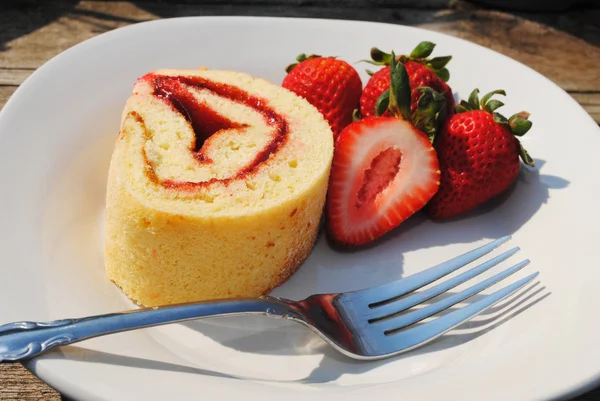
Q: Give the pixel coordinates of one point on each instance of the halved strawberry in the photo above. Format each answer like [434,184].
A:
[383,171]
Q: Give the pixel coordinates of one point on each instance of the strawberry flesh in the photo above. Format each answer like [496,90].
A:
[384,168]
[383,171]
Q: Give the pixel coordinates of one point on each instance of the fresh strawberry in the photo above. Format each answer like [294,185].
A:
[333,86]
[375,87]
[384,169]
[421,72]
[479,155]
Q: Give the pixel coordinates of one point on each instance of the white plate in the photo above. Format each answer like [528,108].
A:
[56,137]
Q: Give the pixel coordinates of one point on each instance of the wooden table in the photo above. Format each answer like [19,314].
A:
[565,47]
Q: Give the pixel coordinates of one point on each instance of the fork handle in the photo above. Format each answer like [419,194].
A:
[24,340]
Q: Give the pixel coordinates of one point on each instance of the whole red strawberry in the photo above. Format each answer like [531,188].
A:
[384,169]
[479,155]
[421,72]
[333,86]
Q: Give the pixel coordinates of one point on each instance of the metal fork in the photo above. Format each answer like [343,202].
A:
[366,324]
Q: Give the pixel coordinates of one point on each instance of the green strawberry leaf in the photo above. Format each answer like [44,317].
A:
[461,109]
[380,57]
[300,58]
[443,74]
[356,115]
[290,67]
[423,50]
[399,90]
[525,156]
[465,105]
[492,105]
[382,103]
[377,63]
[431,108]
[487,96]
[499,118]
[439,62]
[519,123]
[474,99]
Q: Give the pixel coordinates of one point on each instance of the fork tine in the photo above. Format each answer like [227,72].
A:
[420,335]
[396,289]
[397,323]
[420,297]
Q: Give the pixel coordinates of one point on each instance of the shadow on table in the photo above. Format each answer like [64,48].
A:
[568,18]
[20,18]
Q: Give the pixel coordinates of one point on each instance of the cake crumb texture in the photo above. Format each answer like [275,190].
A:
[226,234]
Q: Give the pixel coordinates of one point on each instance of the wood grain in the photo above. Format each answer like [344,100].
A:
[14,76]
[13,376]
[590,101]
[565,47]
[5,92]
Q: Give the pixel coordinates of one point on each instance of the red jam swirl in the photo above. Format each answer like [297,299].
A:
[206,122]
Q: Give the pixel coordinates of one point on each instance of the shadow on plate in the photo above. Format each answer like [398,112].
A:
[82,354]
[501,216]
[511,210]
[330,269]
[333,364]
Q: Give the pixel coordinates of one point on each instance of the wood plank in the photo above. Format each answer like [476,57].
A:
[555,46]
[566,59]
[19,384]
[14,76]
[590,102]
[5,92]
[301,3]
[32,35]
[554,52]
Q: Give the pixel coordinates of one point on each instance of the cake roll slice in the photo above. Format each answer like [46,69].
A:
[216,187]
